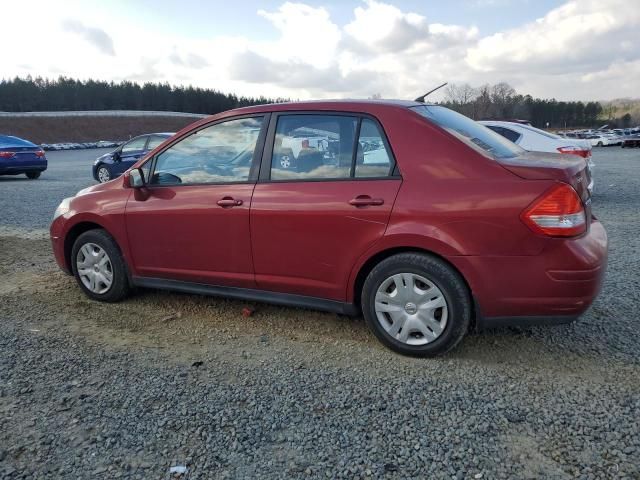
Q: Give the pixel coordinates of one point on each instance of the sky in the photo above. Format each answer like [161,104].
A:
[568,50]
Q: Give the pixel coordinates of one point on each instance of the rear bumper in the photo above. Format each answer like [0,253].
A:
[15,168]
[555,286]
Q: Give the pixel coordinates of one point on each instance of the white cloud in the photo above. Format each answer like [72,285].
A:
[583,49]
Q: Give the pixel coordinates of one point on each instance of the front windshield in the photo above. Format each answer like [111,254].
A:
[472,133]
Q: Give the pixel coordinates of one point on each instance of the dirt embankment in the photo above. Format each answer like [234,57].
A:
[88,129]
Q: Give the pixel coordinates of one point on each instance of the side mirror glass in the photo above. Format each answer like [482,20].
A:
[136,178]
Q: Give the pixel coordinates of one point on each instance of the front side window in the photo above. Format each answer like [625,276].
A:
[372,157]
[472,133]
[309,147]
[221,153]
[134,145]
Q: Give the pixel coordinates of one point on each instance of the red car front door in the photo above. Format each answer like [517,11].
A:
[191,221]
[316,212]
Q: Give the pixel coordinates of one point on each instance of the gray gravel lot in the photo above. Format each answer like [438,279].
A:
[89,390]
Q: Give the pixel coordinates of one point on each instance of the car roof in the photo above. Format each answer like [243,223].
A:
[353,105]
[342,105]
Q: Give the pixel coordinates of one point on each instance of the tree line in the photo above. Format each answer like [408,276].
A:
[67,94]
[501,101]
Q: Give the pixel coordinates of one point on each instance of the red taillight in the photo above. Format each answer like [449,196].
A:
[39,153]
[6,154]
[558,213]
[575,151]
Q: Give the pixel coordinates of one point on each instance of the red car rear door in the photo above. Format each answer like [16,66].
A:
[321,201]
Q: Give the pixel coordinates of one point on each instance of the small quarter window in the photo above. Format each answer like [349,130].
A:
[372,157]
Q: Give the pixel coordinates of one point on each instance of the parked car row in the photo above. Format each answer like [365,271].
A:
[632,142]
[80,146]
[603,137]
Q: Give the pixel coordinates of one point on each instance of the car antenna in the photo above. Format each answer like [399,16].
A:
[421,99]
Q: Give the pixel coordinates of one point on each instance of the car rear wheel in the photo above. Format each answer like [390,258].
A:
[416,304]
[98,266]
[32,175]
[103,174]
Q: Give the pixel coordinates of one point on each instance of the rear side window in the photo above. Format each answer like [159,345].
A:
[313,147]
[472,133]
[324,147]
[372,156]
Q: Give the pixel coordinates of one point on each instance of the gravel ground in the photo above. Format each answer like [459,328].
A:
[89,390]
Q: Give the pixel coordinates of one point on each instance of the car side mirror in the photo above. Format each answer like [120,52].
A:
[135,178]
[116,155]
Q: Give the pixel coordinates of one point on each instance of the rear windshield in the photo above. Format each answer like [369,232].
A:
[541,132]
[472,133]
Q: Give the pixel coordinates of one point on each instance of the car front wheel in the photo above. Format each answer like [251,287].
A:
[416,304]
[103,174]
[98,266]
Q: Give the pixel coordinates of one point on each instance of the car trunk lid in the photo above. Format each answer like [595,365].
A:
[571,169]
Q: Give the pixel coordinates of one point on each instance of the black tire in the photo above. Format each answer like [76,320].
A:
[119,288]
[438,272]
[106,174]
[33,175]
[599,144]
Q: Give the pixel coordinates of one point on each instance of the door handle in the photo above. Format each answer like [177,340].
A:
[229,202]
[365,201]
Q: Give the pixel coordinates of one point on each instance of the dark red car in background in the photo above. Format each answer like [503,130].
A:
[423,220]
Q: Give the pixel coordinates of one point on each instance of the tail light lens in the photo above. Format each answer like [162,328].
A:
[557,213]
[6,154]
[39,153]
[571,150]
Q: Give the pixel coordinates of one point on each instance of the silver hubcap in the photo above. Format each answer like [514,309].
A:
[411,309]
[103,175]
[94,268]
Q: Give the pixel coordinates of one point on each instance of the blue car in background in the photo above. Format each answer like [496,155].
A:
[113,164]
[19,156]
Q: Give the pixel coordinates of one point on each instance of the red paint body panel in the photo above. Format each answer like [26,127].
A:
[305,238]
[179,232]
[562,280]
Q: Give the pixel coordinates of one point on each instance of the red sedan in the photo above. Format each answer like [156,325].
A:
[426,222]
